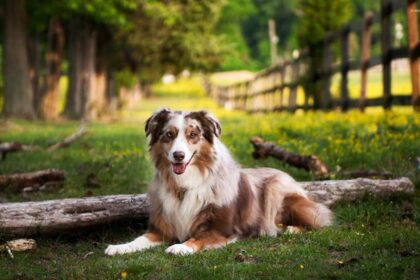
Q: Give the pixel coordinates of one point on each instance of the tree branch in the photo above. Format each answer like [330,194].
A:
[36,179]
[310,163]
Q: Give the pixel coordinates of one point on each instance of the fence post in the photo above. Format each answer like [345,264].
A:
[386,10]
[365,61]
[273,40]
[344,91]
[414,50]
[282,79]
[326,73]
[246,92]
[293,84]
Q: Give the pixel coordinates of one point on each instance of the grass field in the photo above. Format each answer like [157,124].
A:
[371,238]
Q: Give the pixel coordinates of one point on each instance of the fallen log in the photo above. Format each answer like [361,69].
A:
[36,179]
[332,191]
[11,147]
[51,216]
[372,174]
[27,218]
[310,162]
[68,140]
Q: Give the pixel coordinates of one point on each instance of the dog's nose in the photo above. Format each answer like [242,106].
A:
[179,156]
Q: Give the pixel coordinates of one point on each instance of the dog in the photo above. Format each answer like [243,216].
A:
[202,199]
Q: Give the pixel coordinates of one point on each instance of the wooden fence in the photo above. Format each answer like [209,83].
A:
[279,88]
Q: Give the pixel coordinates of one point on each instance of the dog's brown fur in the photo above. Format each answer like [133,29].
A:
[211,201]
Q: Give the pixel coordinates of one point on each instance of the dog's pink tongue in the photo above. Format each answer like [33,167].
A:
[179,168]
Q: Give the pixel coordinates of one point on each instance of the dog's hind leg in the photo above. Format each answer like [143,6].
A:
[301,211]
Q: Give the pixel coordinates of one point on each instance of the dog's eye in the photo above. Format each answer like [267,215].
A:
[193,135]
[170,134]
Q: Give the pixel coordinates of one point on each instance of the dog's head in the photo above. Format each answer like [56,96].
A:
[179,139]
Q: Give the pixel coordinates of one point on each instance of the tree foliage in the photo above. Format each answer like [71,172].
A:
[316,18]
[170,37]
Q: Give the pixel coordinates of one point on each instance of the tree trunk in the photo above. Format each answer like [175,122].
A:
[18,95]
[29,218]
[99,101]
[49,96]
[129,96]
[111,98]
[82,75]
[34,51]
[147,89]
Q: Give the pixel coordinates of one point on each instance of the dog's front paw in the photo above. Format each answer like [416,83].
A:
[118,249]
[179,249]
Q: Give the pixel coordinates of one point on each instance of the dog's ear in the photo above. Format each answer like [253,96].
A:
[217,130]
[210,124]
[156,122]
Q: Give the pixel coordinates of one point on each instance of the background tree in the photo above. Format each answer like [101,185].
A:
[87,20]
[18,95]
[243,26]
[236,51]
[169,37]
[316,18]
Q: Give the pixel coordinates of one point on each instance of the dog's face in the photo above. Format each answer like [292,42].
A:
[179,139]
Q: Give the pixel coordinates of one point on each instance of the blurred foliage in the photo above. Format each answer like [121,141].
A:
[149,38]
[108,12]
[243,26]
[168,37]
[125,78]
[236,52]
[316,19]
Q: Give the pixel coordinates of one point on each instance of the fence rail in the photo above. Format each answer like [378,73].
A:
[277,88]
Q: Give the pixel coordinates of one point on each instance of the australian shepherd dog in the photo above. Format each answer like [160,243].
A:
[201,199]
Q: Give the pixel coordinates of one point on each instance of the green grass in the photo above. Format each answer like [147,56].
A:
[371,238]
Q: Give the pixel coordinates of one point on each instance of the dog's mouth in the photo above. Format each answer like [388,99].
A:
[179,167]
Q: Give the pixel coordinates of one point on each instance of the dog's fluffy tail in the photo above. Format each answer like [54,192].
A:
[301,211]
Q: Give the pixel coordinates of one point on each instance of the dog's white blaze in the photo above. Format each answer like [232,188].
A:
[180,143]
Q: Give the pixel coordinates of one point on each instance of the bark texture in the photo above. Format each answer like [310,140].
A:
[20,181]
[332,191]
[9,147]
[18,95]
[48,103]
[82,74]
[28,218]
[69,214]
[310,163]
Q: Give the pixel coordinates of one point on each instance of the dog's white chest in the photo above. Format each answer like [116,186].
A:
[181,212]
